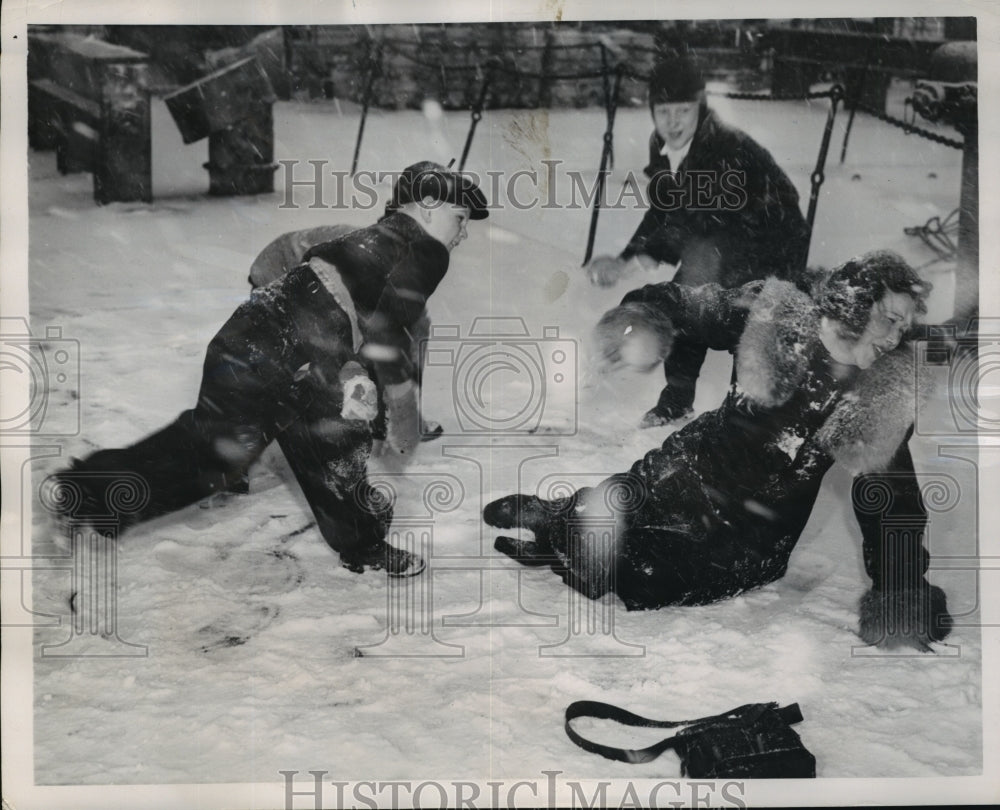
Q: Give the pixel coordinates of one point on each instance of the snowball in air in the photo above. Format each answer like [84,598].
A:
[641,348]
[431,108]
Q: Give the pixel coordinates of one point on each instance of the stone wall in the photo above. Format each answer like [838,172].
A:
[533,65]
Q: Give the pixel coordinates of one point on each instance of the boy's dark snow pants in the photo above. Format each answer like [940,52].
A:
[267,376]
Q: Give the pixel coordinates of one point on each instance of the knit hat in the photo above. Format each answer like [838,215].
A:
[429,179]
[675,79]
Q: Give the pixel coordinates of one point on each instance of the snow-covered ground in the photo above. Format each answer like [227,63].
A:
[475,687]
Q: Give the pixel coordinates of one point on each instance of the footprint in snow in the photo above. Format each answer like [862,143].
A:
[253,572]
[236,628]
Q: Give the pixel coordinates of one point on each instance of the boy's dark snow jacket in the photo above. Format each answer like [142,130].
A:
[739,200]
[729,215]
[390,269]
[272,372]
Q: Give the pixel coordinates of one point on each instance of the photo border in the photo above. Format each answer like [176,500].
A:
[19,788]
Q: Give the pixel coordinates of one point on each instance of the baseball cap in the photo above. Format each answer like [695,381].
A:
[675,79]
[429,179]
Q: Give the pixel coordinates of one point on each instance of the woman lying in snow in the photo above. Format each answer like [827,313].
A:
[719,507]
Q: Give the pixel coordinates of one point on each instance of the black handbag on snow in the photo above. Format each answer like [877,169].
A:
[755,741]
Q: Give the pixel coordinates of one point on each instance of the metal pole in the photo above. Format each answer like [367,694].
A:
[374,57]
[855,102]
[607,91]
[967,266]
[817,177]
[612,102]
[477,112]
[951,95]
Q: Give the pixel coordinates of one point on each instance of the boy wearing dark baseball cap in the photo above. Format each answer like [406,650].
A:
[321,360]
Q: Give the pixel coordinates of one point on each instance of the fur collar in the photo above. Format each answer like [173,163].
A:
[868,423]
[778,343]
[871,420]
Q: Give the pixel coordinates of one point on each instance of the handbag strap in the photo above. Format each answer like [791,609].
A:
[605,711]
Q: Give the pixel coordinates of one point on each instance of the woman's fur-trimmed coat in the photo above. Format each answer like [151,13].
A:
[719,507]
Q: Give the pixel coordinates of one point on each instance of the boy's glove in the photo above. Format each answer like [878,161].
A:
[403,424]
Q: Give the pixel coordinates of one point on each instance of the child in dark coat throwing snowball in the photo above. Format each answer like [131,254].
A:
[295,364]
[720,208]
